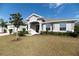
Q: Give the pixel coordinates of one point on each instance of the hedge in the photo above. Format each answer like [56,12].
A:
[73,34]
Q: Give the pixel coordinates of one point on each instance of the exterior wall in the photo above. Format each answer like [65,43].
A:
[14,29]
[32,19]
[1,29]
[56,27]
[70,27]
[10,27]
[44,27]
[21,28]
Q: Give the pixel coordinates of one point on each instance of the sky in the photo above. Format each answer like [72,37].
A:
[47,10]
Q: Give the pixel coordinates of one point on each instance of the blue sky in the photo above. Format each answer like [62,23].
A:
[47,10]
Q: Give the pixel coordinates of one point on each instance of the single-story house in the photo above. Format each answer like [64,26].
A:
[36,23]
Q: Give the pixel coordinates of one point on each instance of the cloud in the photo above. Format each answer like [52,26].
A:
[60,9]
[58,4]
[55,5]
[51,5]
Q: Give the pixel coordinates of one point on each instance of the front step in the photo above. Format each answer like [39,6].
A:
[32,32]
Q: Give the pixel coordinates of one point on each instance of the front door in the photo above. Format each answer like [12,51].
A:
[37,28]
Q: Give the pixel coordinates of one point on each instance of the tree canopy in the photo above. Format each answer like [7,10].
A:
[16,19]
[2,23]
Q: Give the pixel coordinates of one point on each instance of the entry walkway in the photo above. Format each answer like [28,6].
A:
[3,34]
[33,32]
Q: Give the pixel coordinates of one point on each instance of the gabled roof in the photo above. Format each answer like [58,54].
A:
[34,14]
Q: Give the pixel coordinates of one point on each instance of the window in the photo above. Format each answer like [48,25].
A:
[47,27]
[62,26]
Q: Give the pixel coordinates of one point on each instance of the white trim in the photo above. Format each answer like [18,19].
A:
[32,15]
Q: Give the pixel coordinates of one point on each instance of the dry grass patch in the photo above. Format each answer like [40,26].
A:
[39,45]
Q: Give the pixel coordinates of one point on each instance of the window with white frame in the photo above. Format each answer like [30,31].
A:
[49,27]
[62,26]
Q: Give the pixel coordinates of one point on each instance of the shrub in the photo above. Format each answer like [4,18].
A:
[10,31]
[59,33]
[44,32]
[21,33]
[76,29]
[50,33]
[73,34]
[24,30]
[53,33]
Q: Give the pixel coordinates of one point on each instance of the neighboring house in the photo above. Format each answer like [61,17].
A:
[36,23]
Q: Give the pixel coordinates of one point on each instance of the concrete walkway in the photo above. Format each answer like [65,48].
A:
[3,34]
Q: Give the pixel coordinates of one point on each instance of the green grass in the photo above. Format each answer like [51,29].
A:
[39,45]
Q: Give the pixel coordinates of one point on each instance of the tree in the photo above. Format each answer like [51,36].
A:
[2,23]
[16,20]
[77,28]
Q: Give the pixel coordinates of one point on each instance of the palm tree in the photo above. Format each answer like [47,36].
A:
[16,20]
[2,23]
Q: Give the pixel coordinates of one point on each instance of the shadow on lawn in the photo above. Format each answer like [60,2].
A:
[17,39]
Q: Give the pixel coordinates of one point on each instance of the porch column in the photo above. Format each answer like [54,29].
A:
[28,26]
[40,27]
[44,27]
[51,27]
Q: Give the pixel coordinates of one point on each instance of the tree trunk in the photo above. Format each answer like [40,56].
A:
[17,37]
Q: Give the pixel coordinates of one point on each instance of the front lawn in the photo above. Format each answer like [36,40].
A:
[39,45]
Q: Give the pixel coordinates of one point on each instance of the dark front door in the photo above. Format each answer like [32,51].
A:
[37,28]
